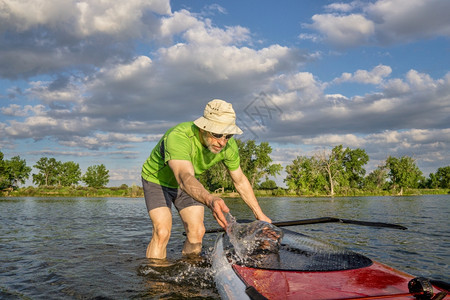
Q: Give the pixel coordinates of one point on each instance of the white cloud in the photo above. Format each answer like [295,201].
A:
[140,66]
[213,8]
[407,20]
[16,110]
[82,18]
[57,35]
[69,93]
[383,22]
[224,62]
[23,15]
[420,81]
[307,90]
[122,175]
[177,23]
[403,103]
[312,37]
[374,76]
[344,31]
[350,140]
[107,140]
[395,87]
[343,7]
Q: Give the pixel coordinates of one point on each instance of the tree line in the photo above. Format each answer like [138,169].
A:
[342,170]
[51,172]
[339,171]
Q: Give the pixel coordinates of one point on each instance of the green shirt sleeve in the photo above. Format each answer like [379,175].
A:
[177,146]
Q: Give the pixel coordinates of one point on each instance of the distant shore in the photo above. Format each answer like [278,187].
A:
[137,192]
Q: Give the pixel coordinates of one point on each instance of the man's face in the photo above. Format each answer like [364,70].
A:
[214,144]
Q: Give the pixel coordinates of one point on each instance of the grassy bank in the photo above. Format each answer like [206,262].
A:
[54,191]
[136,191]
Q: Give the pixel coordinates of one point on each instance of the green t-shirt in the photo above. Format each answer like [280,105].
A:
[182,142]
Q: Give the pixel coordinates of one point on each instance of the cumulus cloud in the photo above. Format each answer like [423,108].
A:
[301,89]
[344,31]
[343,7]
[47,36]
[124,96]
[120,175]
[15,110]
[80,18]
[374,76]
[403,20]
[403,103]
[336,139]
[101,91]
[177,23]
[107,140]
[382,22]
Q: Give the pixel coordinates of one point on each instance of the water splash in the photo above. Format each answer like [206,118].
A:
[253,240]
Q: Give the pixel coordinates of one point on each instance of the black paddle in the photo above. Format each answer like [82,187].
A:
[325,220]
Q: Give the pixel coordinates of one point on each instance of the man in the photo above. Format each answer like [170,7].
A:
[169,176]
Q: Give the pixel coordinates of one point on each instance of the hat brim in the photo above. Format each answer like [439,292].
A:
[216,127]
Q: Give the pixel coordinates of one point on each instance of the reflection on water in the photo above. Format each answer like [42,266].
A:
[83,248]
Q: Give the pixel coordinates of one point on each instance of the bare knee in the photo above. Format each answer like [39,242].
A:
[195,233]
[161,234]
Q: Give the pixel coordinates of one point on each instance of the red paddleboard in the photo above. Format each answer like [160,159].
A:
[377,280]
[306,268]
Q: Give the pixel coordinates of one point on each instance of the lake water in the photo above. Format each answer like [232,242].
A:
[94,248]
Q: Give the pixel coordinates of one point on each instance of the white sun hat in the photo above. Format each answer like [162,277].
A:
[218,117]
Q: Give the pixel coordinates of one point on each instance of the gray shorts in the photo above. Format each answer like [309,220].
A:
[160,196]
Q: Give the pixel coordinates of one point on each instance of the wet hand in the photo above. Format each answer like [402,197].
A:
[218,208]
[264,218]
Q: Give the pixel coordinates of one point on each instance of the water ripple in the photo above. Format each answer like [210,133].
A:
[90,248]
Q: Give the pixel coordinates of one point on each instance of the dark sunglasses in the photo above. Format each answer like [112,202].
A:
[220,135]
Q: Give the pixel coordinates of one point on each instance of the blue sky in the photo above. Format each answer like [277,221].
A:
[99,82]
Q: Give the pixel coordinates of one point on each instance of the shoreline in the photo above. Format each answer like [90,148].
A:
[136,192]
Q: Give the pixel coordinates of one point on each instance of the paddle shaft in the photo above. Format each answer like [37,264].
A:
[325,220]
[338,220]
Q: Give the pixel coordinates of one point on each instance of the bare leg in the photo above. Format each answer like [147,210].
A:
[162,225]
[192,217]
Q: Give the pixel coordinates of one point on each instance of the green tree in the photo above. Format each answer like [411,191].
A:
[304,175]
[376,180]
[216,178]
[3,174]
[432,182]
[332,166]
[96,176]
[442,177]
[17,171]
[403,173]
[268,185]
[69,173]
[354,161]
[48,171]
[256,162]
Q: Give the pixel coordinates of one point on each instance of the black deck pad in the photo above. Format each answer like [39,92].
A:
[299,252]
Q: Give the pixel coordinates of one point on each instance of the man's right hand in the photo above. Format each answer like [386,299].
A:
[218,208]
